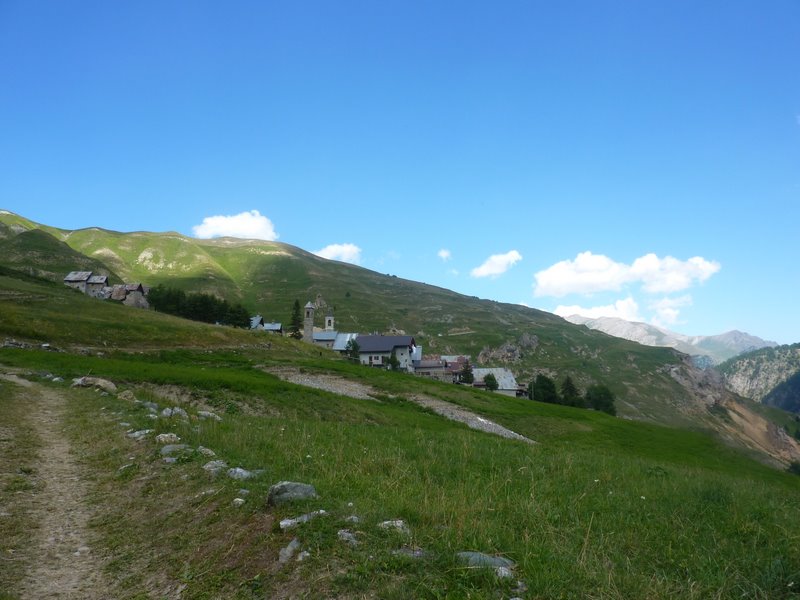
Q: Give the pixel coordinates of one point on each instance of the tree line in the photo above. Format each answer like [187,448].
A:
[198,306]
[597,396]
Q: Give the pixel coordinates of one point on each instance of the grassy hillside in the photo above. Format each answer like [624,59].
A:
[599,507]
[38,253]
[268,276]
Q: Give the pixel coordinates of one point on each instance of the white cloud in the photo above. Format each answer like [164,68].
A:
[349,253]
[444,254]
[590,273]
[668,274]
[626,309]
[248,225]
[667,310]
[586,274]
[497,264]
[453,272]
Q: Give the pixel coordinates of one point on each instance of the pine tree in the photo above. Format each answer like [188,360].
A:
[490,381]
[465,375]
[570,394]
[599,397]
[544,390]
[296,322]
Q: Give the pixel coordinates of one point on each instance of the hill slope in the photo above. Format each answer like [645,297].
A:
[654,384]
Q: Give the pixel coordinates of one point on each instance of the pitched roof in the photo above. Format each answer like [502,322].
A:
[256,321]
[505,378]
[325,336]
[383,343]
[77,276]
[341,341]
[272,327]
[98,279]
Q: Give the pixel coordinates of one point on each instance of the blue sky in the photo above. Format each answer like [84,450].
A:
[630,158]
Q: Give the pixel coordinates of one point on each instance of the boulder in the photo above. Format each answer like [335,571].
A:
[290,491]
[291,523]
[173,448]
[167,438]
[207,414]
[397,525]
[127,395]
[286,554]
[479,559]
[215,467]
[240,473]
[347,536]
[141,434]
[206,451]
[96,382]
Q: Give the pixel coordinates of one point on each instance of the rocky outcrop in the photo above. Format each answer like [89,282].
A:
[756,374]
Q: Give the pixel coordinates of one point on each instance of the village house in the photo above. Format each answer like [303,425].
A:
[375,350]
[260,324]
[130,294]
[78,280]
[506,382]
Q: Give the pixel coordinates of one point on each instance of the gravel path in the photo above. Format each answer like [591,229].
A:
[61,563]
[345,387]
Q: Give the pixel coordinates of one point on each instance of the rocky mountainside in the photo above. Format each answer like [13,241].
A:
[756,375]
[717,348]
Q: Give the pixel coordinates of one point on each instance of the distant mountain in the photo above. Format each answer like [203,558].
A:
[769,375]
[716,347]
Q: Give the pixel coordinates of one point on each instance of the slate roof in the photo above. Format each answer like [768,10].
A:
[98,279]
[325,336]
[272,327]
[256,321]
[77,276]
[342,339]
[383,343]
[505,378]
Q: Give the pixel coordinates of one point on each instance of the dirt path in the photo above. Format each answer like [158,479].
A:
[61,561]
[345,387]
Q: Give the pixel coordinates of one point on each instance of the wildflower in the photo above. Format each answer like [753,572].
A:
[642,497]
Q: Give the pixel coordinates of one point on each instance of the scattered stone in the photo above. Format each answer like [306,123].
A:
[237,502]
[207,414]
[240,473]
[303,555]
[139,435]
[167,438]
[347,536]
[243,492]
[170,460]
[290,523]
[352,519]
[174,412]
[479,559]
[215,467]
[290,491]
[397,524]
[124,424]
[123,467]
[206,451]
[127,395]
[151,406]
[410,552]
[82,550]
[286,554]
[521,588]
[58,379]
[152,416]
[503,573]
[96,382]
[173,448]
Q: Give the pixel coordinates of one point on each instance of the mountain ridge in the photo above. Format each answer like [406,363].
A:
[718,347]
